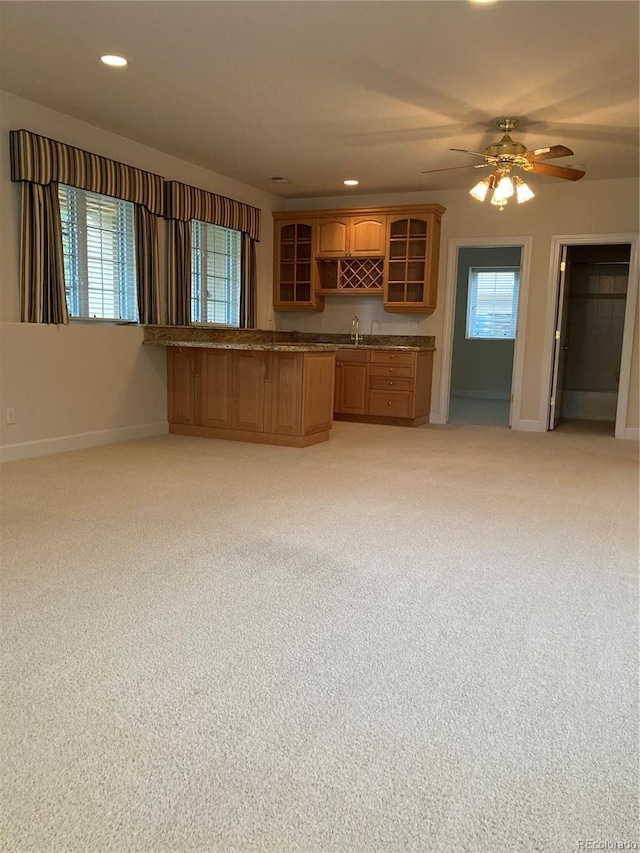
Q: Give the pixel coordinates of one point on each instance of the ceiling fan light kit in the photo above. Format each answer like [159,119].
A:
[523,191]
[507,154]
[504,187]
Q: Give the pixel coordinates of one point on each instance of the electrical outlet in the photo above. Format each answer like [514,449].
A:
[11,415]
[413,327]
[321,323]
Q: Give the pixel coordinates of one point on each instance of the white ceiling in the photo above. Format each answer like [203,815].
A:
[322,91]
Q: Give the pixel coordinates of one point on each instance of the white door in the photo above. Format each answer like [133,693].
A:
[560,343]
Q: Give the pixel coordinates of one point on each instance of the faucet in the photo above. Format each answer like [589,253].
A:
[355,336]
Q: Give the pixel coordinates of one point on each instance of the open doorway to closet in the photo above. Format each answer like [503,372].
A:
[484,334]
[591,316]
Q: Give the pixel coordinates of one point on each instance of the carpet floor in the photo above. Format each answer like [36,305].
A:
[399,640]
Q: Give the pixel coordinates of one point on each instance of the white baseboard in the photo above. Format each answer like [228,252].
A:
[529,426]
[48,446]
[632,433]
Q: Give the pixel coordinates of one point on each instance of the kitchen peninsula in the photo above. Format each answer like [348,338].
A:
[285,387]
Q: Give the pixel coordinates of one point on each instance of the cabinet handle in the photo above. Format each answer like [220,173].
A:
[389,403]
[391,370]
[391,383]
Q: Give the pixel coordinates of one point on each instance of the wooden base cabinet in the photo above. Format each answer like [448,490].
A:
[249,377]
[383,386]
[181,383]
[214,388]
[251,395]
[352,382]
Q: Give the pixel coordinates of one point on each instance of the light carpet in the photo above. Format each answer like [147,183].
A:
[399,640]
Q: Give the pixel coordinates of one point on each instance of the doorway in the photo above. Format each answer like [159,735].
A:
[588,359]
[484,333]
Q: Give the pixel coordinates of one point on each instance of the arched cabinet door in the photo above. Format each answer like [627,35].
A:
[368,236]
[332,240]
[411,263]
[294,272]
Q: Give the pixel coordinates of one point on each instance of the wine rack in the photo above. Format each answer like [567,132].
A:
[351,275]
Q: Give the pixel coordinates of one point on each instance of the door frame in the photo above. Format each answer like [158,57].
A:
[559,361]
[557,242]
[455,244]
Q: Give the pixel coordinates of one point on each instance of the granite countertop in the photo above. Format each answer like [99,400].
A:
[263,339]
[277,347]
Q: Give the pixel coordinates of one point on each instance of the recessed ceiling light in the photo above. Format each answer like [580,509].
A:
[114,61]
[351,183]
[278,180]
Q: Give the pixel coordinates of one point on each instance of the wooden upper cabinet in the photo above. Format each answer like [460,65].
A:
[294,267]
[390,250]
[351,237]
[332,238]
[411,262]
[368,236]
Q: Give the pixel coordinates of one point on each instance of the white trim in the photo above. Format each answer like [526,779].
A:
[531,426]
[632,434]
[557,242]
[47,446]
[456,243]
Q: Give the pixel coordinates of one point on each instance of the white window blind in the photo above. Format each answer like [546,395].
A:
[99,255]
[215,274]
[492,304]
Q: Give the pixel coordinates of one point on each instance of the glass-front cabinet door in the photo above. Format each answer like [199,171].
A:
[294,267]
[411,267]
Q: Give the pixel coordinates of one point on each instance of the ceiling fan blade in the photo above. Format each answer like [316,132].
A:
[451,168]
[464,151]
[548,153]
[556,171]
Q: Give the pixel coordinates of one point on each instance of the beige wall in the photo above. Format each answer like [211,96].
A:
[96,382]
[559,209]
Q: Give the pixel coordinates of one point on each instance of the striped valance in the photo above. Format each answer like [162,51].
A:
[184,203]
[40,160]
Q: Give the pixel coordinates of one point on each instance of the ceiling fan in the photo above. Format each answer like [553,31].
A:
[506,154]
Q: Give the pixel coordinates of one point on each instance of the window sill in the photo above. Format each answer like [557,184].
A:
[215,326]
[101,321]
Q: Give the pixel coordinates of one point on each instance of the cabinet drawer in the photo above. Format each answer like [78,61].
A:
[378,383]
[387,357]
[354,356]
[391,371]
[393,404]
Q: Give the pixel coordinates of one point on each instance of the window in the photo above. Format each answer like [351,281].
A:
[215,274]
[99,255]
[492,305]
